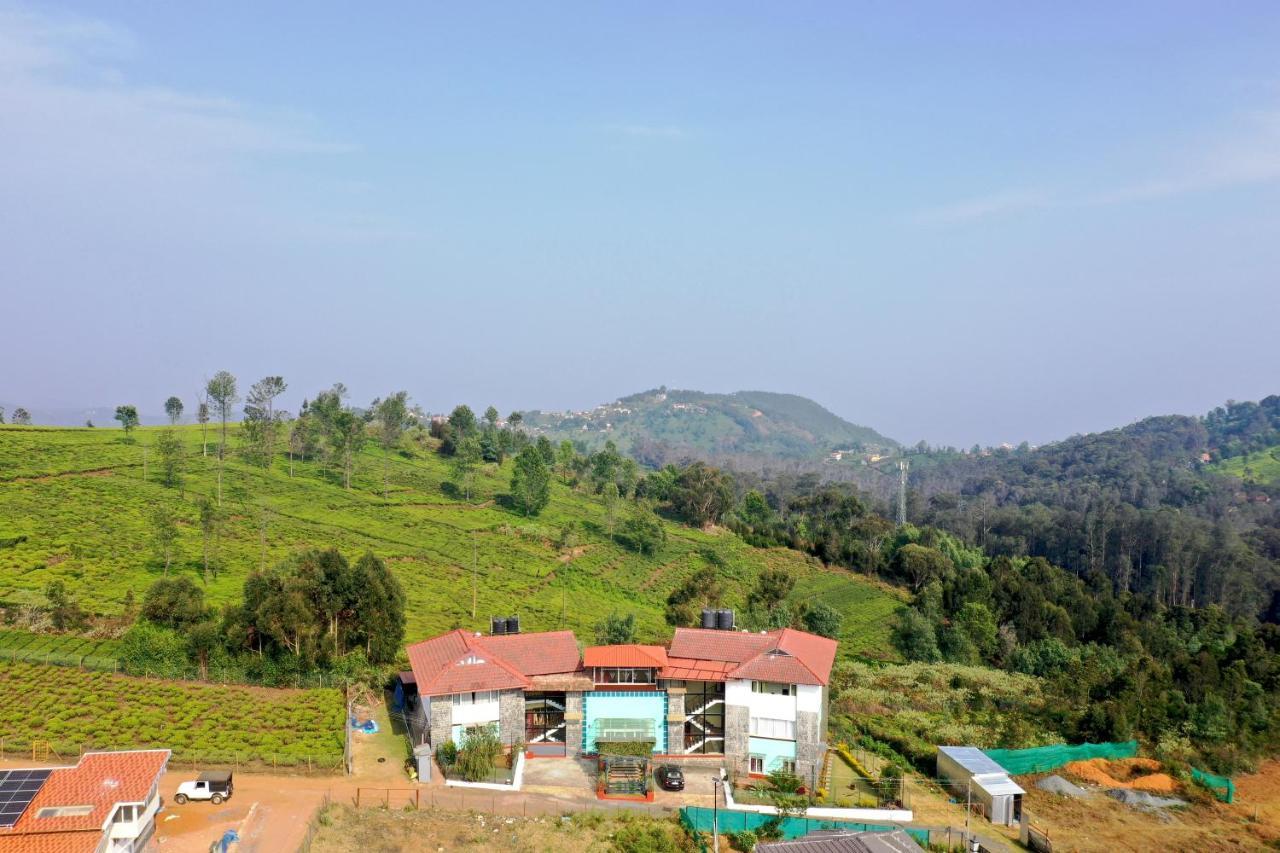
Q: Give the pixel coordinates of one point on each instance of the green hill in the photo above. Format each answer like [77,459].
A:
[79,498]
[1261,467]
[746,427]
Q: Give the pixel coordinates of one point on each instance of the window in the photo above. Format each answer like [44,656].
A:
[68,811]
[703,717]
[766,727]
[773,687]
[624,675]
[471,660]
[756,764]
[476,698]
[789,765]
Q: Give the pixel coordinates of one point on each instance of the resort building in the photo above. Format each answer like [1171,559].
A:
[106,803]
[757,701]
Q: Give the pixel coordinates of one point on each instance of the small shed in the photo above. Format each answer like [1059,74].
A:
[970,773]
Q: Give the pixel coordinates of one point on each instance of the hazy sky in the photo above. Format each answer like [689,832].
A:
[954,221]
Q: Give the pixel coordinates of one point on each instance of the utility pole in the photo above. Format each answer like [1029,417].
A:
[715,815]
[903,465]
[968,807]
[474,582]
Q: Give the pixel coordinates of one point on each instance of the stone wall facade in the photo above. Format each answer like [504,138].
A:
[573,723]
[441,719]
[809,745]
[737,733]
[675,720]
[511,716]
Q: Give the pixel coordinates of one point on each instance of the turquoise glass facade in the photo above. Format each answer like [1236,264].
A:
[773,751]
[646,705]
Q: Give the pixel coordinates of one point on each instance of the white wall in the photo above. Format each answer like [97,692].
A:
[468,713]
[809,698]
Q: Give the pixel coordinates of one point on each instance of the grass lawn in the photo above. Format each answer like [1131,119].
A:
[80,498]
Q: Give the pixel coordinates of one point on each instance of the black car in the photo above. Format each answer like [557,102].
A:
[671,778]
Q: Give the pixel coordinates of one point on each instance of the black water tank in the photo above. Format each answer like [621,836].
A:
[497,625]
[724,620]
[513,624]
[708,618]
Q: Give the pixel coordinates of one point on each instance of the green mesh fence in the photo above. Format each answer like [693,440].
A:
[1042,759]
[1222,787]
[700,819]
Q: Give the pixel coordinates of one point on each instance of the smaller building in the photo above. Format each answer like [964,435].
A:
[106,803]
[974,777]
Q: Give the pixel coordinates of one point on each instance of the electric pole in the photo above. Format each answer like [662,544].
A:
[474,582]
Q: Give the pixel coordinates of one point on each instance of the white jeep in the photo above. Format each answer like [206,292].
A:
[212,785]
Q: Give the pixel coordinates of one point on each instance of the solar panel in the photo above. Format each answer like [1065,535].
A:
[17,789]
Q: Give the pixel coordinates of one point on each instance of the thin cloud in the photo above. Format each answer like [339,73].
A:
[1247,155]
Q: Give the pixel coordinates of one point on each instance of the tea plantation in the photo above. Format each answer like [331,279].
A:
[74,710]
[75,505]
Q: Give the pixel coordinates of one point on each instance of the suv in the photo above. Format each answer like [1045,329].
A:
[212,785]
[671,778]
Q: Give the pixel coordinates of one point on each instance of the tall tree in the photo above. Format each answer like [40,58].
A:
[173,408]
[531,481]
[128,417]
[174,603]
[202,415]
[261,420]
[211,530]
[702,494]
[610,496]
[164,533]
[466,456]
[491,417]
[21,417]
[346,438]
[616,630]
[565,455]
[222,393]
[392,416]
[173,454]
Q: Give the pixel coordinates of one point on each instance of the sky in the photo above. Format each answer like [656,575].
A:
[958,222]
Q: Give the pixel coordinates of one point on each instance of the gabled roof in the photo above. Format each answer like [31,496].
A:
[101,780]
[461,661]
[692,669]
[785,655]
[650,657]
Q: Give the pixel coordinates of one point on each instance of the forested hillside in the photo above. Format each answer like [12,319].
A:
[747,429]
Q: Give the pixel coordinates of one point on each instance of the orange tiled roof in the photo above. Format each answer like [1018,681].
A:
[795,657]
[440,664]
[101,780]
[651,657]
[691,669]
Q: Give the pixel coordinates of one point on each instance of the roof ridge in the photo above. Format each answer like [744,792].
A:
[493,657]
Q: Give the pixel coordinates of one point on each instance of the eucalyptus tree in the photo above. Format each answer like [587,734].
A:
[392,417]
[223,396]
[173,408]
[261,420]
[128,417]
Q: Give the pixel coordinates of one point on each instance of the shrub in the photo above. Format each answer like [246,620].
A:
[744,841]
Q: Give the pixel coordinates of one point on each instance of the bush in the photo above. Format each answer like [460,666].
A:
[479,750]
[744,841]
[148,649]
[447,754]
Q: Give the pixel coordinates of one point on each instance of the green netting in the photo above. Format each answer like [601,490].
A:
[1042,759]
[700,819]
[1222,787]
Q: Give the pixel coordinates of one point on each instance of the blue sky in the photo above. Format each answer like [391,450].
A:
[975,222]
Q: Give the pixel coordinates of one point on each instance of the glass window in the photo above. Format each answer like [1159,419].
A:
[703,717]
[766,727]
[773,687]
[756,764]
[789,765]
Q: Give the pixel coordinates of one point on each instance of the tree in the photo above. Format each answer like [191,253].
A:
[173,408]
[643,531]
[491,417]
[128,417]
[615,630]
[164,533]
[64,610]
[515,420]
[466,456]
[463,422]
[610,497]
[203,639]
[546,450]
[211,531]
[772,588]
[823,619]
[173,456]
[1,414]
[392,416]
[702,589]
[918,565]
[21,417]
[531,481]
[261,420]
[221,390]
[702,494]
[175,603]
[202,416]
[914,636]
[480,748]
[565,455]
[380,616]
[346,438]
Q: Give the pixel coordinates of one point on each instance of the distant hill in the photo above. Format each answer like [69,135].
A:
[746,428]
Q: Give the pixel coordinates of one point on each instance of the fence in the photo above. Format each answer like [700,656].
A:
[1222,787]
[702,819]
[492,802]
[1042,759]
[38,749]
[313,825]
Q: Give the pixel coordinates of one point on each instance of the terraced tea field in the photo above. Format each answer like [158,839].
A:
[78,504]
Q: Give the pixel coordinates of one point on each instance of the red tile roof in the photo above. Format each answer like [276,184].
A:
[101,780]
[652,657]
[785,655]
[691,669]
[498,663]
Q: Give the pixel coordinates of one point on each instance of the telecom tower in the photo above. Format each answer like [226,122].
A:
[903,465]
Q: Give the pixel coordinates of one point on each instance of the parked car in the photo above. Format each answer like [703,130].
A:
[671,778]
[215,786]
